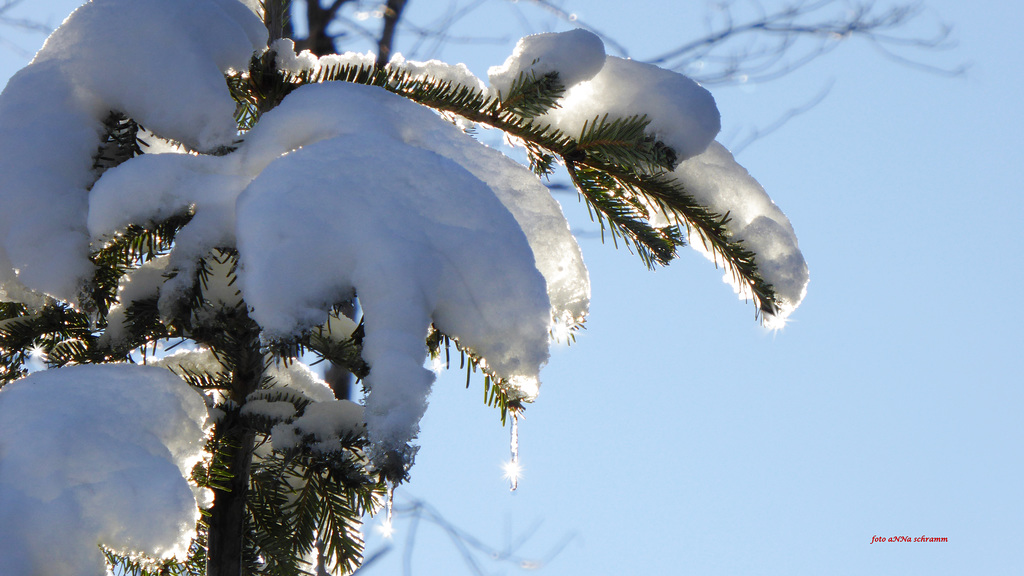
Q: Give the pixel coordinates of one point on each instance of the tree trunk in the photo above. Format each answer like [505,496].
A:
[237,338]
[226,537]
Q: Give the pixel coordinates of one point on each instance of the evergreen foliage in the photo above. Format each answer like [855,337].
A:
[618,168]
[306,502]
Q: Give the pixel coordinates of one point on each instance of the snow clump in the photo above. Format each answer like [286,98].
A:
[399,220]
[576,56]
[287,60]
[382,198]
[97,455]
[716,180]
[683,114]
[131,57]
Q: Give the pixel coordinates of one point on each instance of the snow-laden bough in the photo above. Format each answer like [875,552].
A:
[109,55]
[346,187]
[682,115]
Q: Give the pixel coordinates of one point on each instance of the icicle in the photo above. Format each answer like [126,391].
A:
[512,469]
[386,528]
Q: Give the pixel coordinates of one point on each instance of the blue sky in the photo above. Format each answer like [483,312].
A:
[678,437]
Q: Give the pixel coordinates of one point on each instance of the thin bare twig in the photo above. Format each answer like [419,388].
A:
[756,134]
[758,45]
[470,548]
[23,23]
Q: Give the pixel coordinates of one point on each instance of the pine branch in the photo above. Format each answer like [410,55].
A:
[128,250]
[143,326]
[606,160]
[303,497]
[624,219]
[530,96]
[203,380]
[120,142]
[345,352]
[59,334]
[624,142]
[667,194]
[340,522]
[272,524]
[216,474]
[616,165]
[13,319]
[133,565]
[498,392]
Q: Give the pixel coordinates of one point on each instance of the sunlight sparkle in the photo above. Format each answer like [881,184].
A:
[512,472]
[437,365]
[37,352]
[386,529]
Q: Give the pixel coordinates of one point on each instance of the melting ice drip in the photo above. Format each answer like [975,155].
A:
[387,528]
[512,468]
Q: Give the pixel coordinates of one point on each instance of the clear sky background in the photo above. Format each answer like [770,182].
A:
[679,437]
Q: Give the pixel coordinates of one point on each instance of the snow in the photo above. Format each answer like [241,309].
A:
[342,189]
[133,57]
[683,114]
[329,422]
[46,143]
[154,187]
[288,60]
[404,169]
[274,410]
[457,74]
[196,361]
[325,418]
[576,55]
[173,44]
[139,284]
[416,235]
[557,254]
[717,181]
[339,327]
[96,455]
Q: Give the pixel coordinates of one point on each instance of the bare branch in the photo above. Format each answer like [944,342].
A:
[567,16]
[755,45]
[471,549]
[432,37]
[392,13]
[758,133]
[318,18]
[24,23]
[756,41]
[749,41]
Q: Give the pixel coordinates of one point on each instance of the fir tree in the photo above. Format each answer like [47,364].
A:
[288,495]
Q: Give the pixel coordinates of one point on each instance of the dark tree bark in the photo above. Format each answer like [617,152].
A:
[236,338]
[226,539]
